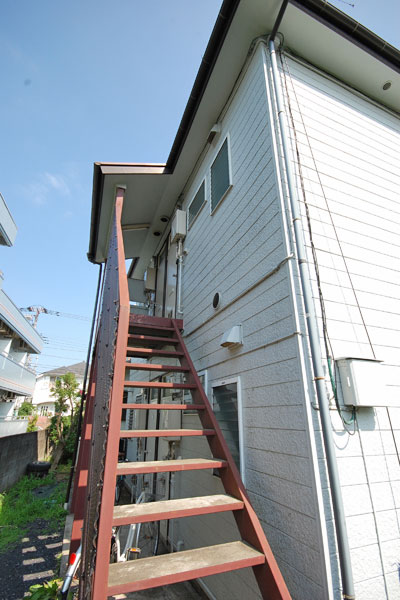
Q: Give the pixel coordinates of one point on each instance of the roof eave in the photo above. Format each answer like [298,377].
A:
[322,11]
[100,171]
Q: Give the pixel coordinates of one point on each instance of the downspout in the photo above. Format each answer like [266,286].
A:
[312,328]
[179,256]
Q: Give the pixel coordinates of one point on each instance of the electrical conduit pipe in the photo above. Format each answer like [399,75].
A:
[312,328]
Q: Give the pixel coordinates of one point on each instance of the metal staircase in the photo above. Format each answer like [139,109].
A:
[138,336]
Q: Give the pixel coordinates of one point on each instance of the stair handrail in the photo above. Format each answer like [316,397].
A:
[112,341]
[122,277]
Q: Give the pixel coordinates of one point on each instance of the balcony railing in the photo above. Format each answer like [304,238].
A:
[8,229]
[13,317]
[15,378]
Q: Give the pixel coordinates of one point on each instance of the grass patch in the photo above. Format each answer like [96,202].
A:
[64,468]
[22,505]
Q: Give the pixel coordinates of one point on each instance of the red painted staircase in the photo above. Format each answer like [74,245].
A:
[251,551]
[94,493]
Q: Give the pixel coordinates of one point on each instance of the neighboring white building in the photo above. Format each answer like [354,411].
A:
[229,170]
[42,398]
[18,340]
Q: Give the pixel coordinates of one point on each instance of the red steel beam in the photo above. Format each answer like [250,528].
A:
[100,580]
[79,494]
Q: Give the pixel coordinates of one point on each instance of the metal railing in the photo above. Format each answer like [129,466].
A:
[108,384]
[16,378]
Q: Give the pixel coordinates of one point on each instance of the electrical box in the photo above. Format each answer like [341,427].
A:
[178,226]
[150,280]
[363,382]
[170,419]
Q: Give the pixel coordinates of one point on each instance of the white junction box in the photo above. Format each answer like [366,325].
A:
[363,382]
[178,226]
[170,419]
[150,280]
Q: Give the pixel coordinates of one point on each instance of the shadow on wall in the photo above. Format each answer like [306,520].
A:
[17,451]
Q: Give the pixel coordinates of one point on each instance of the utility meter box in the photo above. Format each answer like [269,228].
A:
[178,226]
[170,419]
[363,382]
[150,280]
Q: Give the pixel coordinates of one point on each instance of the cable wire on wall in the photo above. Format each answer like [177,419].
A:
[327,342]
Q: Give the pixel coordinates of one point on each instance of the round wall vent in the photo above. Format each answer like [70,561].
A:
[216,300]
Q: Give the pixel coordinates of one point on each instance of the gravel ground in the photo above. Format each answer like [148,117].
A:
[32,561]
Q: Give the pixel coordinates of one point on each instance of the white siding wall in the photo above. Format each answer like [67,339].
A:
[229,252]
[349,156]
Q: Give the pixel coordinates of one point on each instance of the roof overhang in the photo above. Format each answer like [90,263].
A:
[312,29]
[144,186]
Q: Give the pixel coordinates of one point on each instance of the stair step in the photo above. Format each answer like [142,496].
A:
[174,509]
[163,406]
[152,338]
[160,385]
[169,466]
[165,433]
[148,352]
[151,322]
[151,327]
[155,571]
[154,367]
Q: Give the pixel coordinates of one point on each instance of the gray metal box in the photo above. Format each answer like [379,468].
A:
[363,382]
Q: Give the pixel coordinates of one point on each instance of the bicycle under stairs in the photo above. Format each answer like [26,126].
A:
[150,338]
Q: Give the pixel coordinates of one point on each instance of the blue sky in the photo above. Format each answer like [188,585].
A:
[86,81]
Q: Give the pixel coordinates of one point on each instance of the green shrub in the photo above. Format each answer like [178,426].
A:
[26,409]
[45,591]
[32,423]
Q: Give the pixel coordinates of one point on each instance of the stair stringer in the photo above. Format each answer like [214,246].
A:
[268,575]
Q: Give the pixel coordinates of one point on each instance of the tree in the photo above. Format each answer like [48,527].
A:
[26,409]
[66,392]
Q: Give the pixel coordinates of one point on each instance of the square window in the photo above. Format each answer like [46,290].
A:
[197,203]
[220,177]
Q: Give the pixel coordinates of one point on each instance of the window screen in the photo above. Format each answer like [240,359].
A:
[197,203]
[225,405]
[220,175]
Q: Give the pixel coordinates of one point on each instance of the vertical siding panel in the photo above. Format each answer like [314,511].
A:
[349,150]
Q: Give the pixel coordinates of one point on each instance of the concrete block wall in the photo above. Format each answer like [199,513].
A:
[16,451]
